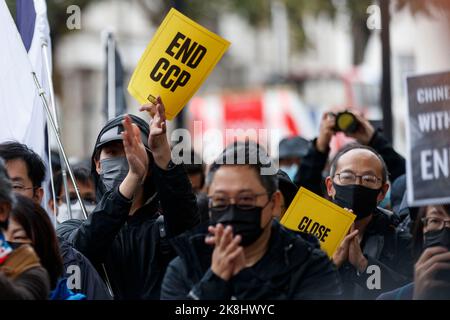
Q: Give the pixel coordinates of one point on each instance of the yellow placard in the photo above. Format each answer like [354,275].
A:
[176,62]
[312,214]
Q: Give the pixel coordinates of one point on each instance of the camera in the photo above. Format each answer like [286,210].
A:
[346,122]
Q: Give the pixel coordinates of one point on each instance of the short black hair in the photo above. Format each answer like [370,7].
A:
[81,173]
[6,191]
[249,154]
[12,150]
[353,146]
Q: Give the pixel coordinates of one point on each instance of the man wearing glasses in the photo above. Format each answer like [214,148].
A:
[25,168]
[86,187]
[374,257]
[245,253]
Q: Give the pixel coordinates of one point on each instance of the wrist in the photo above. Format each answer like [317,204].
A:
[368,138]
[221,275]
[337,262]
[129,185]
[362,265]
[162,157]
[133,178]
[321,146]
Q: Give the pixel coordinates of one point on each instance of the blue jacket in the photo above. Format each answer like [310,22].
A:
[402,293]
[61,292]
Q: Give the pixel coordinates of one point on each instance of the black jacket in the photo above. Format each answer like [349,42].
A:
[131,247]
[384,246]
[290,269]
[91,284]
[313,163]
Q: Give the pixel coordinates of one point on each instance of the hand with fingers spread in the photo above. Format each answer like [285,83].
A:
[157,140]
[430,262]
[342,252]
[228,256]
[326,132]
[137,158]
[365,130]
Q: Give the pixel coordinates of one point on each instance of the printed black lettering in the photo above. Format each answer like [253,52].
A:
[181,80]
[186,50]
[167,81]
[197,57]
[301,225]
[174,43]
[163,64]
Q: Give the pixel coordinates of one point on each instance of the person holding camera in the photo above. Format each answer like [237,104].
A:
[352,125]
[431,245]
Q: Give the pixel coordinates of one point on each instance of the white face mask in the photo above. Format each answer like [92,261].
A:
[77,213]
[290,170]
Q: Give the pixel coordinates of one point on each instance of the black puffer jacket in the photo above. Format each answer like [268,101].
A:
[291,269]
[131,247]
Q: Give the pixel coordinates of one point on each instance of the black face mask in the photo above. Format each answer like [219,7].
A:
[437,238]
[362,200]
[113,172]
[246,223]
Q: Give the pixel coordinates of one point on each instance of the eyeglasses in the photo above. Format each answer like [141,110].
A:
[74,199]
[435,223]
[367,180]
[20,188]
[244,201]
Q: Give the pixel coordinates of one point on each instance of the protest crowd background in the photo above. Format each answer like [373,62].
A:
[285,150]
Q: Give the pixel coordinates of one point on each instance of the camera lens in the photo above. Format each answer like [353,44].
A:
[346,121]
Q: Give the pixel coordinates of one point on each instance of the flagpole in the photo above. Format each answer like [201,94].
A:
[44,47]
[111,45]
[52,181]
[41,93]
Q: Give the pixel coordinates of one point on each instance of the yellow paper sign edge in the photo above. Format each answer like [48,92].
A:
[307,193]
[172,13]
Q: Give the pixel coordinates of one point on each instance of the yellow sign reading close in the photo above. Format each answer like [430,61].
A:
[312,214]
[176,62]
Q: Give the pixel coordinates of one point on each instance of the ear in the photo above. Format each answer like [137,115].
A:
[38,195]
[384,190]
[97,165]
[5,209]
[330,189]
[276,207]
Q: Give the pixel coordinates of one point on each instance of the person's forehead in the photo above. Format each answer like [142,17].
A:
[236,178]
[83,187]
[14,225]
[17,169]
[359,160]
[116,144]
[437,211]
